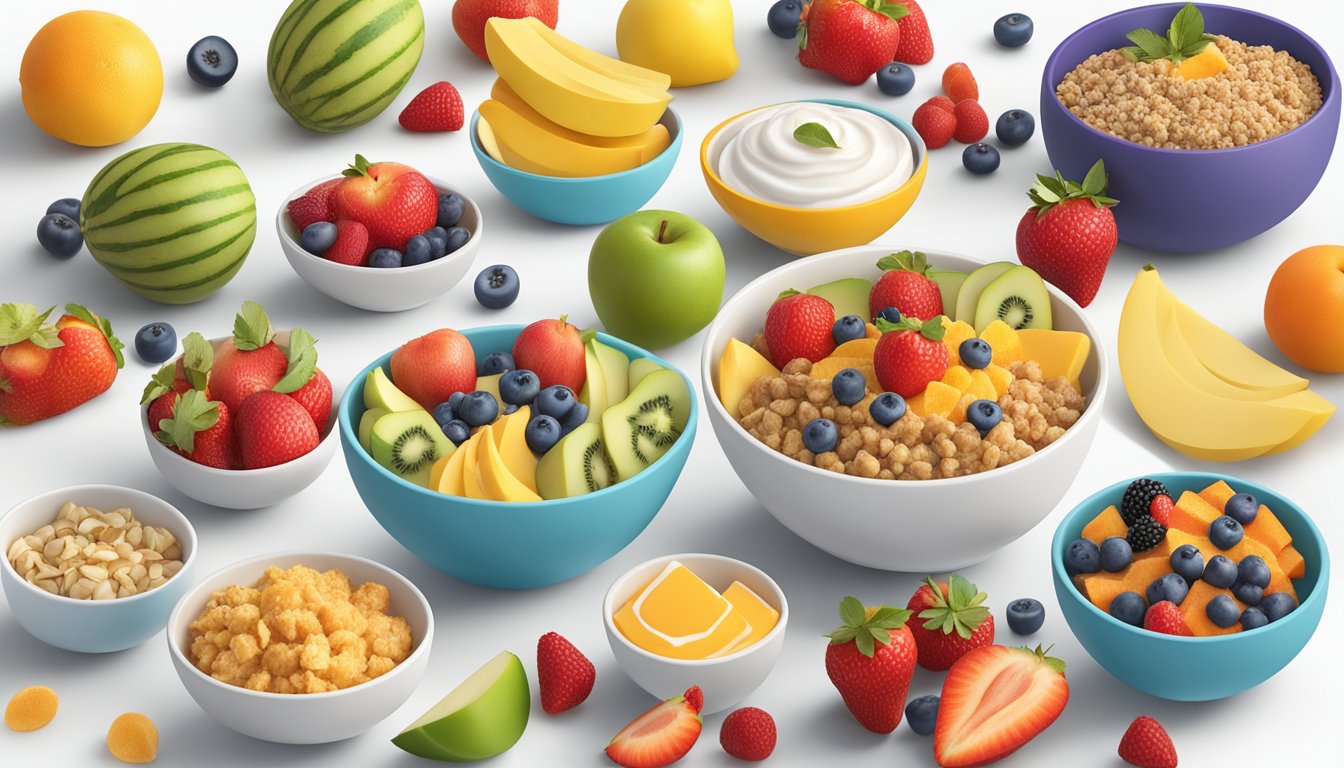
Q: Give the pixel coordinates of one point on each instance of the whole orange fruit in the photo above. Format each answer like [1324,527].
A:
[91,78]
[1304,308]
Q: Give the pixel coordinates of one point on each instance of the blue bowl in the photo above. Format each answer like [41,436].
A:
[511,545]
[587,200]
[1194,668]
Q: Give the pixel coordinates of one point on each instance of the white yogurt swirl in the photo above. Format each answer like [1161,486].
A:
[758,156]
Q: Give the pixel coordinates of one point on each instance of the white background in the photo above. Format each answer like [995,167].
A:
[1292,719]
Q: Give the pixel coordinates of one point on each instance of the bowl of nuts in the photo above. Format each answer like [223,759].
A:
[95,568]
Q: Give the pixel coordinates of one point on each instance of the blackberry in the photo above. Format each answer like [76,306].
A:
[1138,496]
[1145,533]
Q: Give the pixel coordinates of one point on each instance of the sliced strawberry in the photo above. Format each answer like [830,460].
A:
[659,737]
[995,700]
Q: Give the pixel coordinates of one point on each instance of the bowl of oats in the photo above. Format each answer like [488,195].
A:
[1215,122]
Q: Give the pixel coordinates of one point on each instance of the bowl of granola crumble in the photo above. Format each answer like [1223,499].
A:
[922,494]
[1201,155]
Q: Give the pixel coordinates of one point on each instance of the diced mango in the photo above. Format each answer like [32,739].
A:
[1001,377]
[1206,63]
[1101,587]
[1105,525]
[958,412]
[677,615]
[1266,527]
[1278,580]
[760,615]
[1192,515]
[739,367]
[1005,342]
[955,332]
[1194,608]
[982,387]
[1292,562]
[856,348]
[957,377]
[827,367]
[1059,353]
[937,398]
[870,331]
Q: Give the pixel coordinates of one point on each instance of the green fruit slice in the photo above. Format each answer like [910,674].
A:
[576,465]
[969,294]
[638,430]
[481,718]
[848,295]
[380,392]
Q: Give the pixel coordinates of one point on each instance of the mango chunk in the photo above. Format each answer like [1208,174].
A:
[1105,525]
[827,367]
[1292,562]
[856,348]
[957,377]
[739,367]
[1005,341]
[1266,527]
[1059,353]
[1000,377]
[955,332]
[1195,610]
[1101,587]
[1206,63]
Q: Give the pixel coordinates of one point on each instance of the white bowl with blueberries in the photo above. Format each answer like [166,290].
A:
[391,280]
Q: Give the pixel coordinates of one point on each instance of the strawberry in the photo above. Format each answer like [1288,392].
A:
[909,355]
[972,122]
[393,201]
[660,736]
[437,108]
[469,17]
[959,83]
[955,623]
[870,660]
[1027,692]
[934,124]
[1160,508]
[850,39]
[315,397]
[322,192]
[916,46]
[248,362]
[1069,232]
[190,371]
[564,675]
[748,734]
[553,349]
[303,381]
[432,367]
[273,429]
[201,430]
[906,286]
[1147,745]
[306,210]
[1165,617]
[48,369]
[799,325]
[695,697]
[351,246]
[943,102]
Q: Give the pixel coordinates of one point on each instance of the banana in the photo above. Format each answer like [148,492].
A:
[498,482]
[632,74]
[471,473]
[651,143]
[450,482]
[529,147]
[1229,359]
[1183,360]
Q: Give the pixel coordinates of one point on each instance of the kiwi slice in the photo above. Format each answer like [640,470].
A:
[576,465]
[408,443]
[366,422]
[639,368]
[1017,297]
[638,430]
[969,293]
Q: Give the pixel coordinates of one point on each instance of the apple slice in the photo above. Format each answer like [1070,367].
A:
[481,718]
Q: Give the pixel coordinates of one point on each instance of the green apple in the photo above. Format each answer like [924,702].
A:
[656,277]
[380,392]
[481,718]
[949,285]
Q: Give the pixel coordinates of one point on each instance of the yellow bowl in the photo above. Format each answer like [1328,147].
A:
[805,231]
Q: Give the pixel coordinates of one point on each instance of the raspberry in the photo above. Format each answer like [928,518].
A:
[1145,533]
[748,734]
[959,83]
[972,122]
[1160,508]
[942,102]
[306,210]
[934,124]
[1139,497]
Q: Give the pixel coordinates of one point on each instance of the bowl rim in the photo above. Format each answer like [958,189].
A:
[292,247]
[916,178]
[184,533]
[1061,576]
[1095,401]
[421,648]
[347,429]
[608,612]
[487,162]
[1052,63]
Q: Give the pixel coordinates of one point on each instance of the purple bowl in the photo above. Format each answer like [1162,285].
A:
[1257,185]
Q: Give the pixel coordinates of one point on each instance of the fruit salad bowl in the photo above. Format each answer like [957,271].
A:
[382,290]
[1194,668]
[517,544]
[1179,217]
[898,525]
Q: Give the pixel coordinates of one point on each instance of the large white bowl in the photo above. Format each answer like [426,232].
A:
[243,488]
[382,290]
[726,680]
[306,718]
[896,525]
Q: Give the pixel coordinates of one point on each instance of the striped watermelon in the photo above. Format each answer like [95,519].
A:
[173,222]
[336,64]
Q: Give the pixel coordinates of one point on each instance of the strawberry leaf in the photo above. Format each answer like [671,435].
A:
[911,261]
[103,325]
[302,355]
[893,11]
[358,168]
[252,327]
[198,356]
[852,612]
[22,322]
[959,611]
[1043,655]
[933,329]
[160,384]
[814,135]
[867,628]
[1048,192]
[787,292]
[193,413]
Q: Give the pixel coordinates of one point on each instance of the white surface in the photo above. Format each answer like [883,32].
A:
[1285,721]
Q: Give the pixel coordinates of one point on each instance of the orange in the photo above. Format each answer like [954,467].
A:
[1304,308]
[91,78]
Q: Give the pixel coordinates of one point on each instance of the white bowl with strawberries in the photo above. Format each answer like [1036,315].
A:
[241,421]
[380,236]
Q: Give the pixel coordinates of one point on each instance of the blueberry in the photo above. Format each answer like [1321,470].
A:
[456,238]
[519,387]
[1082,556]
[922,714]
[984,415]
[438,242]
[1025,616]
[1225,532]
[211,62]
[1013,30]
[60,235]
[1276,605]
[1223,611]
[1248,593]
[1220,572]
[848,386]
[895,79]
[443,413]
[385,258]
[457,431]
[418,251]
[510,408]
[1253,618]
[451,206]
[1188,561]
[975,353]
[1169,587]
[1129,608]
[477,408]
[555,401]
[574,419]
[67,207]
[497,286]
[455,399]
[1116,554]
[887,408]
[849,328]
[1253,570]
[820,435]
[495,362]
[890,314]
[542,433]
[1015,127]
[156,342]
[1242,507]
[784,18]
[980,159]
[317,237]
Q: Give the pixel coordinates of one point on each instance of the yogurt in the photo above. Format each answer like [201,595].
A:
[758,156]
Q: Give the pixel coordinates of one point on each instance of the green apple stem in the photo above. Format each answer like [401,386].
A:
[662,231]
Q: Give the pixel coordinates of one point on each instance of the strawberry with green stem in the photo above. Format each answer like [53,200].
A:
[1069,233]
[954,621]
[191,371]
[49,368]
[905,285]
[870,660]
[201,430]
[850,39]
[909,355]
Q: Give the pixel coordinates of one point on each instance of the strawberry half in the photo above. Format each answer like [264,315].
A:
[994,701]
[1069,233]
[905,285]
[564,675]
[870,660]
[955,621]
[660,736]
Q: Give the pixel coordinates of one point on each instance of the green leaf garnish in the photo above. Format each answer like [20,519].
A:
[193,413]
[814,135]
[911,261]
[23,322]
[1049,191]
[102,324]
[302,354]
[358,168]
[867,632]
[1185,38]
[931,329]
[252,328]
[198,356]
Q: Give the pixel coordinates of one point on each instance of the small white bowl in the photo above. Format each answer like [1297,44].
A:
[382,290]
[243,488]
[94,626]
[726,680]
[304,718]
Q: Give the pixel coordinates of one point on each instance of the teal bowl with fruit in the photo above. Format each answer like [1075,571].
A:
[492,511]
[1225,634]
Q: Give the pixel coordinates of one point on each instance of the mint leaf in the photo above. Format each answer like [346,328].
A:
[22,322]
[252,328]
[302,355]
[893,11]
[1153,45]
[1094,183]
[814,135]
[1187,27]
[160,384]
[198,356]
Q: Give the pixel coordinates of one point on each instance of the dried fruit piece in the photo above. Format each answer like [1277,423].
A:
[31,708]
[133,738]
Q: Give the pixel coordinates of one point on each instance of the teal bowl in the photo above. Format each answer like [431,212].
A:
[511,545]
[1194,668]
[587,200]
